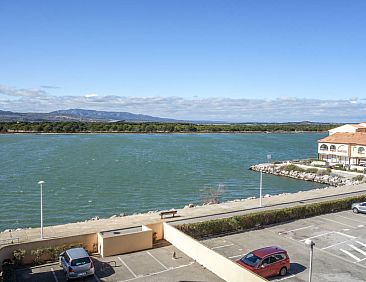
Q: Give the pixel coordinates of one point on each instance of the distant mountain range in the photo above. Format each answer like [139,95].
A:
[81,115]
[104,116]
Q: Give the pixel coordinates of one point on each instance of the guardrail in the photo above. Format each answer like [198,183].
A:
[9,241]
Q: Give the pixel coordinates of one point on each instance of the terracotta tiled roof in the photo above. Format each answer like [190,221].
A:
[358,138]
[358,125]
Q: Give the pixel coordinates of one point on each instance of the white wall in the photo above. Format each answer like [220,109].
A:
[216,263]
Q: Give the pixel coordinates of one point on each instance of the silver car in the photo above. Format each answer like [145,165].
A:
[76,263]
[359,207]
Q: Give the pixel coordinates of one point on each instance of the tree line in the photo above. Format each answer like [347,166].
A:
[152,127]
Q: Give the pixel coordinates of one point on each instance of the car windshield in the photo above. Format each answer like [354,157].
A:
[250,259]
[80,261]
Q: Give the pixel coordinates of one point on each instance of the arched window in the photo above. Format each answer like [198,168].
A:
[332,148]
[342,149]
[361,150]
[324,147]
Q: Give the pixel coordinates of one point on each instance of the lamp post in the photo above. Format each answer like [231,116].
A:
[41,183]
[261,183]
[311,244]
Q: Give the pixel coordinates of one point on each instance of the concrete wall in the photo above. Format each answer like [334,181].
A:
[158,229]
[89,241]
[125,243]
[218,264]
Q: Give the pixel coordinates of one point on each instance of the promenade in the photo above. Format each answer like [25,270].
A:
[199,213]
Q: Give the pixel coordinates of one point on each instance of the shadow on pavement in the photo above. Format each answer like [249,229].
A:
[104,269]
[295,268]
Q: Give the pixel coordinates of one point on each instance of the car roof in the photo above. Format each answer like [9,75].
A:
[268,251]
[76,253]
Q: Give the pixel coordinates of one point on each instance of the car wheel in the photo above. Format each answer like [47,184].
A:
[355,210]
[283,271]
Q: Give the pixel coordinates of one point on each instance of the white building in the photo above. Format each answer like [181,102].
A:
[345,145]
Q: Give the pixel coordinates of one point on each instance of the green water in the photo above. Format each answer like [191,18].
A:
[106,174]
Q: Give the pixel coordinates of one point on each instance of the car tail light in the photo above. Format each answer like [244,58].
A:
[70,269]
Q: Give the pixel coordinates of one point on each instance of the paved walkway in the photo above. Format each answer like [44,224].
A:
[185,215]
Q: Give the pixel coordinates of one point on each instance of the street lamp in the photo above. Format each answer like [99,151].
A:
[311,244]
[41,183]
[261,182]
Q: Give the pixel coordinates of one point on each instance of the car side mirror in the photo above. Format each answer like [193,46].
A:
[262,266]
[62,254]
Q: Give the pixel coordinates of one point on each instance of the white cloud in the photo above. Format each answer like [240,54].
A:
[219,109]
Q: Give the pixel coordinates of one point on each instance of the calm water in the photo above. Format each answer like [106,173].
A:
[103,175]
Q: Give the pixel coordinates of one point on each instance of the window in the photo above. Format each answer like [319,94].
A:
[324,147]
[251,259]
[332,148]
[279,256]
[361,150]
[342,149]
[80,261]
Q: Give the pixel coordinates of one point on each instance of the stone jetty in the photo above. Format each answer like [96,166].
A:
[320,175]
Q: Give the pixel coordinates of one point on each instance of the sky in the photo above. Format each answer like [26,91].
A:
[228,60]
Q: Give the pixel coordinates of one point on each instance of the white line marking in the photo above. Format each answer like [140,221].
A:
[331,220]
[361,225]
[223,246]
[346,235]
[54,274]
[351,255]
[133,273]
[348,218]
[326,233]
[336,244]
[156,260]
[301,228]
[362,244]
[346,229]
[155,273]
[236,256]
[357,249]
[284,278]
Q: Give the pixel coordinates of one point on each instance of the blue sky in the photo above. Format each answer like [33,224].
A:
[223,60]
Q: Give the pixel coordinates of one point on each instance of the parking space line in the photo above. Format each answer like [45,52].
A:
[287,277]
[241,255]
[156,260]
[54,274]
[331,220]
[133,273]
[362,244]
[328,247]
[301,228]
[326,233]
[346,235]
[350,254]
[159,272]
[358,249]
[223,246]
[358,221]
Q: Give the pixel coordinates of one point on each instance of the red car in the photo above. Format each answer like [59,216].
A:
[266,262]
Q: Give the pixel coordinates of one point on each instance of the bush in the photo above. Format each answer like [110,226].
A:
[292,167]
[19,255]
[324,171]
[260,219]
[312,170]
[358,178]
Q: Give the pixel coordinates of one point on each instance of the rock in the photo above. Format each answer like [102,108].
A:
[122,214]
[191,205]
[113,216]
[95,218]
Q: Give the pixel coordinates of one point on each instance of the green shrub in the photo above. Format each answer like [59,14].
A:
[19,255]
[292,167]
[358,178]
[324,171]
[263,218]
[312,170]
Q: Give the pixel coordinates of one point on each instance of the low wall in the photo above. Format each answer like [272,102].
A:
[111,243]
[89,242]
[216,263]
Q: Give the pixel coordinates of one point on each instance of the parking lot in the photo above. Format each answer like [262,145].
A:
[339,253]
[152,265]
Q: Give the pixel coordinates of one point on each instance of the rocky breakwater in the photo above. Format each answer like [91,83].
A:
[324,176]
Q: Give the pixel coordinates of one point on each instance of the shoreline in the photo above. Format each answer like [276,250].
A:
[166,132]
[191,207]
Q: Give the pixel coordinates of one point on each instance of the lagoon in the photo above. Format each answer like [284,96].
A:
[101,175]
